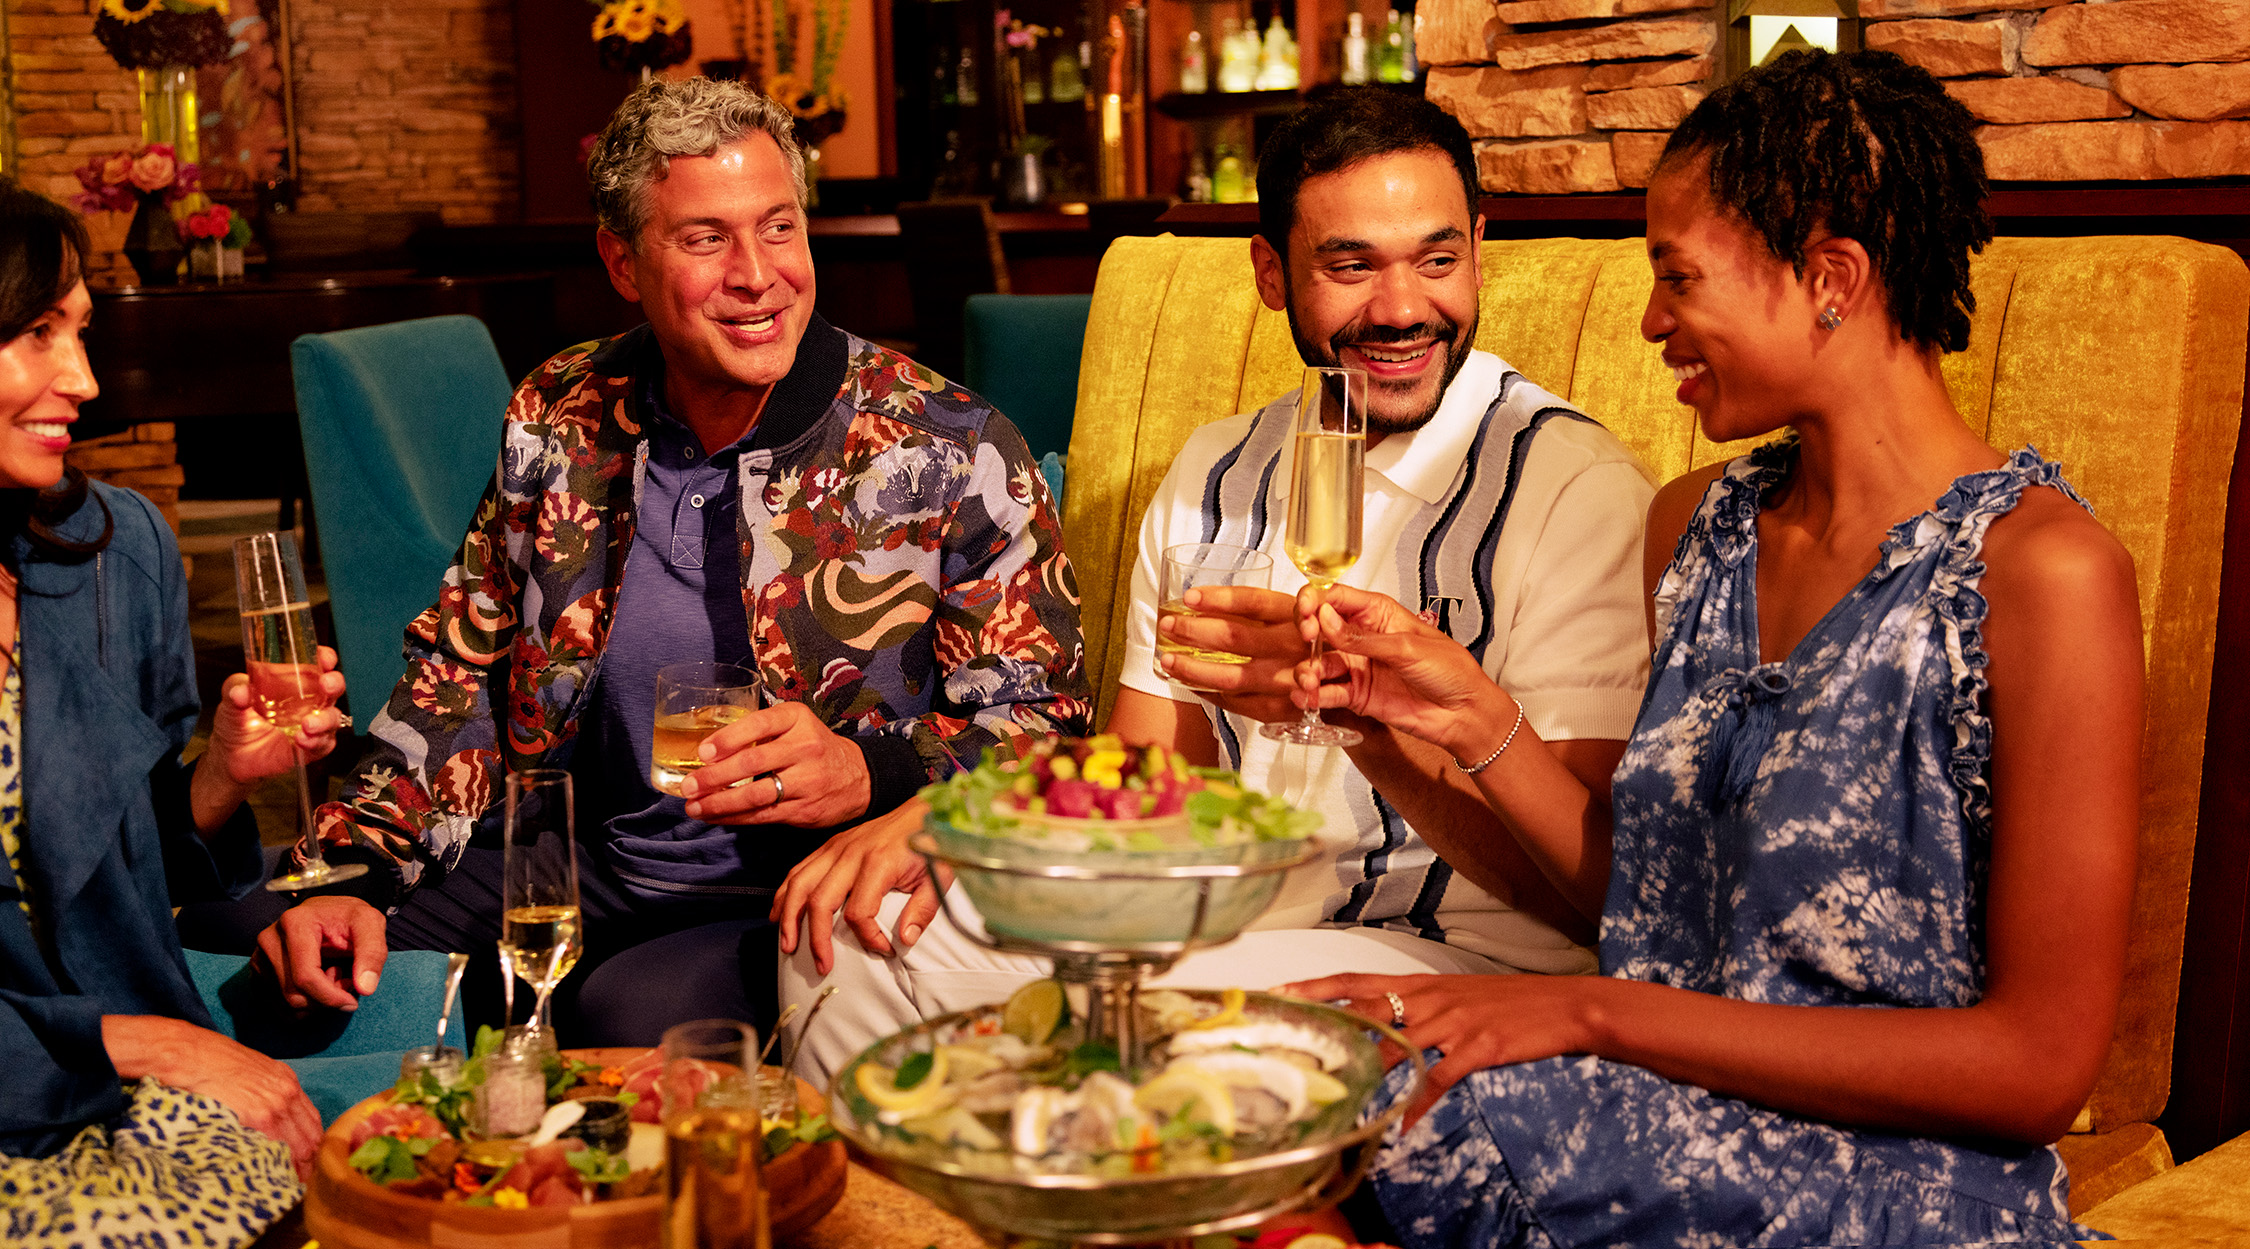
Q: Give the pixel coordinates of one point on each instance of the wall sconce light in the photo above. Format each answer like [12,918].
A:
[1759,30]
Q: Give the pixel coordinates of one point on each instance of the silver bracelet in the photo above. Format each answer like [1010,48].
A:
[1486,762]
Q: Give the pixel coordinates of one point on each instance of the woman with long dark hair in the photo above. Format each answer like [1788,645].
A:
[1864,879]
[113,1071]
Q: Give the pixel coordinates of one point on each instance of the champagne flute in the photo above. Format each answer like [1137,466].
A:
[1322,538]
[282,657]
[540,930]
[712,1133]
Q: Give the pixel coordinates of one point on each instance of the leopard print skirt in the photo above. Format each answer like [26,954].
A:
[177,1169]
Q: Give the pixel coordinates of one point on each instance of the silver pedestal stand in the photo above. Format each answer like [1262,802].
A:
[1070,1207]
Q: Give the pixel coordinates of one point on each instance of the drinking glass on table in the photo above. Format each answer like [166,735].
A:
[712,1134]
[1200,564]
[282,657]
[541,934]
[693,701]
[1322,537]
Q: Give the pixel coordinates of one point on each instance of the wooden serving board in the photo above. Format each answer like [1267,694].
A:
[346,1210]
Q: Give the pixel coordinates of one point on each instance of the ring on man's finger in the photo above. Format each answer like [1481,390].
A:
[776,779]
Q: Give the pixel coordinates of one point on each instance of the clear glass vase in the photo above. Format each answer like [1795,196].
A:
[168,110]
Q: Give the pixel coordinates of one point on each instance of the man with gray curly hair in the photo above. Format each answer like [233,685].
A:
[735,482]
[695,117]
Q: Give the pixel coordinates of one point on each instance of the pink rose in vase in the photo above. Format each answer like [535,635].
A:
[117,169]
[154,168]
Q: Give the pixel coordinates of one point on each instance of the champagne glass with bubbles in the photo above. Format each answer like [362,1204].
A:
[1322,538]
[282,657]
[540,931]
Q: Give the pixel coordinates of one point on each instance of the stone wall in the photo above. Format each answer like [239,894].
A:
[407,104]
[1578,95]
[401,104]
[143,457]
[2085,91]
[1567,95]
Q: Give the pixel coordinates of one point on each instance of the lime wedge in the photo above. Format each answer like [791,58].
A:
[1034,1011]
[1317,1240]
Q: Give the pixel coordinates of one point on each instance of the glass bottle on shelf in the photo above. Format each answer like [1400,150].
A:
[1275,72]
[1195,71]
[941,78]
[1198,187]
[1226,183]
[1238,57]
[1409,68]
[1390,60]
[1066,83]
[965,78]
[1355,50]
[1034,81]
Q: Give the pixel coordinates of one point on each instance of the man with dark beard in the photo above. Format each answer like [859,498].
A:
[1510,516]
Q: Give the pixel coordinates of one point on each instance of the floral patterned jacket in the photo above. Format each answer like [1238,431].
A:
[903,576]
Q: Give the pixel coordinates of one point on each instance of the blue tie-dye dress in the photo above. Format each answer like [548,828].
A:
[1814,831]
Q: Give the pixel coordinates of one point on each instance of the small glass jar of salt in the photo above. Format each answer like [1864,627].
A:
[441,1061]
[513,1095]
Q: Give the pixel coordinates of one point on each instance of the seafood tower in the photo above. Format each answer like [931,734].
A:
[1090,1108]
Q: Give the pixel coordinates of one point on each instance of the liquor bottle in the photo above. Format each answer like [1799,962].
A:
[1195,70]
[1409,68]
[1238,57]
[1390,60]
[1355,50]
[1198,179]
[1034,82]
[965,78]
[1277,58]
[1066,83]
[1226,183]
[941,78]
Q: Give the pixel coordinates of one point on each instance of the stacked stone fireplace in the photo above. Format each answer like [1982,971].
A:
[1567,96]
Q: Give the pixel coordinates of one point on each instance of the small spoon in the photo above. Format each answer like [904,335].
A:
[455,966]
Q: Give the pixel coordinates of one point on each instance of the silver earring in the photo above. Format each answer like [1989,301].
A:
[1830,318]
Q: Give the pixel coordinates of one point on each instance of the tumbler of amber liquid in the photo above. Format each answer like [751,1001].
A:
[693,701]
[712,1132]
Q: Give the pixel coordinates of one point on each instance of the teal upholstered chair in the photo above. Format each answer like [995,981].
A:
[1022,355]
[341,1059]
[401,425]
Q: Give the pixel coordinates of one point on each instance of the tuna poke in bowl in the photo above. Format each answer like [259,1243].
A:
[1093,842]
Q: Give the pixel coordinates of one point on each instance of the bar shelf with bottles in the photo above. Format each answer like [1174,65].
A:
[1000,98]
[1222,72]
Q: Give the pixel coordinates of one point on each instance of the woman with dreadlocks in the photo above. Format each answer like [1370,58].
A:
[1865,877]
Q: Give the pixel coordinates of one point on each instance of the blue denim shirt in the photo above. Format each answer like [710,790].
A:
[109,843]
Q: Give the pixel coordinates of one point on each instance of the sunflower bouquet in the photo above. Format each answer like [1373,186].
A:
[642,34]
[809,90]
[148,34]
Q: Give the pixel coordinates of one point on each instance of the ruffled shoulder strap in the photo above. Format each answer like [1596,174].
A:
[1725,525]
[1958,523]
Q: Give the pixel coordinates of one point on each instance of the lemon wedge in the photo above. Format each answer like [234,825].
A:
[1034,1011]
[1178,1087]
[1317,1240]
[879,1085]
[1230,1011]
[1323,1089]
[967,1062]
